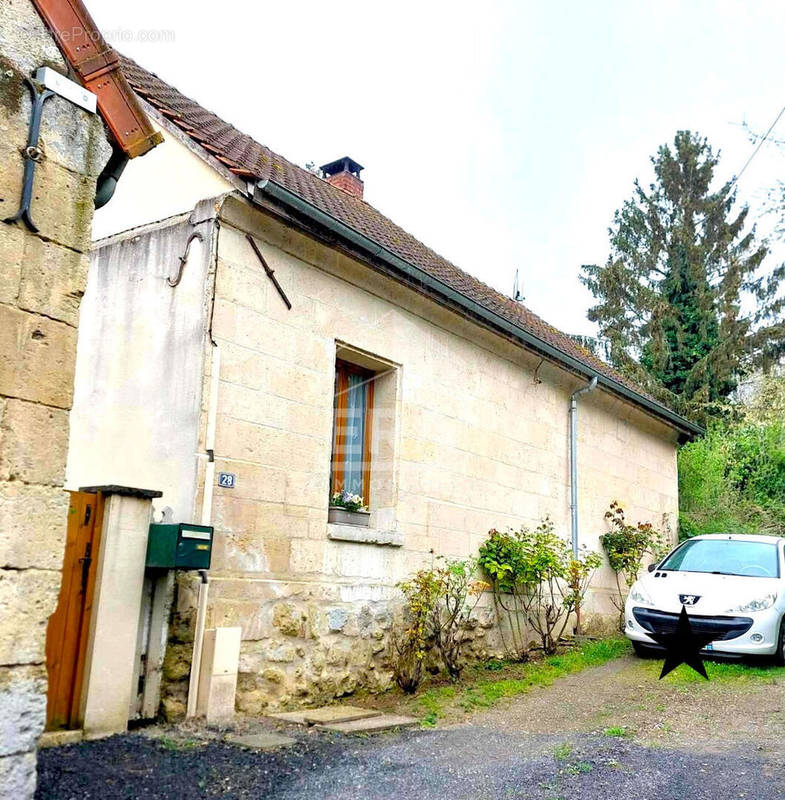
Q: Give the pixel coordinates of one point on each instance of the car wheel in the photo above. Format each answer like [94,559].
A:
[642,651]
[779,654]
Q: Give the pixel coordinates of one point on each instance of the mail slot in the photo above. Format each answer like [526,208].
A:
[179,546]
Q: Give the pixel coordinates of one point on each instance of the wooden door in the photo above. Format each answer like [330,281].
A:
[68,628]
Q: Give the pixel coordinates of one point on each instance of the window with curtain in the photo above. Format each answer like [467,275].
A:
[351,460]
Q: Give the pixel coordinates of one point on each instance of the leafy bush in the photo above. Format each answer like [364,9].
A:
[733,479]
[502,558]
[412,636]
[535,578]
[439,603]
[580,571]
[460,594]
[546,557]
[626,546]
[558,582]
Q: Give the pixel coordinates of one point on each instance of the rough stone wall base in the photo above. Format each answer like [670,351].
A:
[308,647]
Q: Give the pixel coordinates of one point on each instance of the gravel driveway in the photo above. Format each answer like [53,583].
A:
[560,742]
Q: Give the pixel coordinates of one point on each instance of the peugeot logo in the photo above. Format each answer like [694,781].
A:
[689,599]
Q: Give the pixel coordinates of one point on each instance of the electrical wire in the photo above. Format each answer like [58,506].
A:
[755,151]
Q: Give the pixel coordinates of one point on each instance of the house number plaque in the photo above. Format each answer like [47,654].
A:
[228,480]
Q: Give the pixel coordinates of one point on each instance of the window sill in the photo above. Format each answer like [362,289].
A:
[341,516]
[355,533]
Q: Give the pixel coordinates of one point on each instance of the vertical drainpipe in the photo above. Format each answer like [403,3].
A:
[207,505]
[590,386]
[209,445]
[207,512]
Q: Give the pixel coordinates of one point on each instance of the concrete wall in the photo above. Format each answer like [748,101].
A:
[110,672]
[480,440]
[139,365]
[42,279]
[181,179]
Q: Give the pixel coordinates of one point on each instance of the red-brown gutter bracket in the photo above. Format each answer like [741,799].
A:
[98,68]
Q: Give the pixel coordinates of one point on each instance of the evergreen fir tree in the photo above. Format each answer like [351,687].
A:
[673,296]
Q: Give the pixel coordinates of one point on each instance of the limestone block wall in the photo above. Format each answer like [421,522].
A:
[478,439]
[42,279]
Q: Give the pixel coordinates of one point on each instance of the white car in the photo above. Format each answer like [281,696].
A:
[733,584]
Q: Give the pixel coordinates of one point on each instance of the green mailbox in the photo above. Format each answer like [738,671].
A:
[179,546]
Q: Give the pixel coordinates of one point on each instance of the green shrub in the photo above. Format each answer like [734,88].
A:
[580,571]
[438,605]
[733,479]
[536,580]
[459,594]
[412,635]
[502,558]
[626,546]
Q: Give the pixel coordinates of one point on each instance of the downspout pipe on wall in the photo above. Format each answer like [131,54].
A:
[209,443]
[589,387]
[207,513]
[196,657]
[110,177]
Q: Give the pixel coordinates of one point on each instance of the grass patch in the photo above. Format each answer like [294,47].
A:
[429,720]
[579,768]
[720,671]
[479,690]
[562,751]
[179,744]
[618,731]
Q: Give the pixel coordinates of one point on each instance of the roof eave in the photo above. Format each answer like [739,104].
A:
[299,206]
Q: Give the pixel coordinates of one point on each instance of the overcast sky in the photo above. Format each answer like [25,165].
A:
[504,135]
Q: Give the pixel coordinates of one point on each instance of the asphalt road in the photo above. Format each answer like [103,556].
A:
[449,764]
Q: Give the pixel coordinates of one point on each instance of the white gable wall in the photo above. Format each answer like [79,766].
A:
[140,355]
[167,181]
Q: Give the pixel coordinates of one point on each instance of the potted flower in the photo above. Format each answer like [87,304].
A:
[348,509]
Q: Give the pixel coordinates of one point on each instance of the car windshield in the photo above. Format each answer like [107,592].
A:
[725,557]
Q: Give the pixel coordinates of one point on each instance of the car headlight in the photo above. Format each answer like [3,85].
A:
[757,604]
[638,595]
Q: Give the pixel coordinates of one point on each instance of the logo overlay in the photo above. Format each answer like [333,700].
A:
[683,646]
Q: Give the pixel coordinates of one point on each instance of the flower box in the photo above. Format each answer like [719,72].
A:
[341,516]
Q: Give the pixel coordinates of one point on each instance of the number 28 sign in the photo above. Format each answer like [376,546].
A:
[227,480]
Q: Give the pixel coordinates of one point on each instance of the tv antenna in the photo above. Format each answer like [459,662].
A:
[517,295]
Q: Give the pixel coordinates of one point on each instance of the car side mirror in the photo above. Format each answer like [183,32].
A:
[652,567]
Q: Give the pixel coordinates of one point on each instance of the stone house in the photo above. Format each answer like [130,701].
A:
[255,337]
[44,244]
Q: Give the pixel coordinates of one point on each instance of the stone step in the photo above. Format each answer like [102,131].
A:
[260,741]
[326,715]
[59,738]
[292,717]
[382,722]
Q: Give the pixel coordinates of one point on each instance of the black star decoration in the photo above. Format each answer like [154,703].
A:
[683,646]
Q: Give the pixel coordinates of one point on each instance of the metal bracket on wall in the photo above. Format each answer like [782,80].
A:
[32,155]
[270,273]
[47,84]
[184,258]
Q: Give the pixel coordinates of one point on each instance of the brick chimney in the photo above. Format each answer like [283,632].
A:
[345,174]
